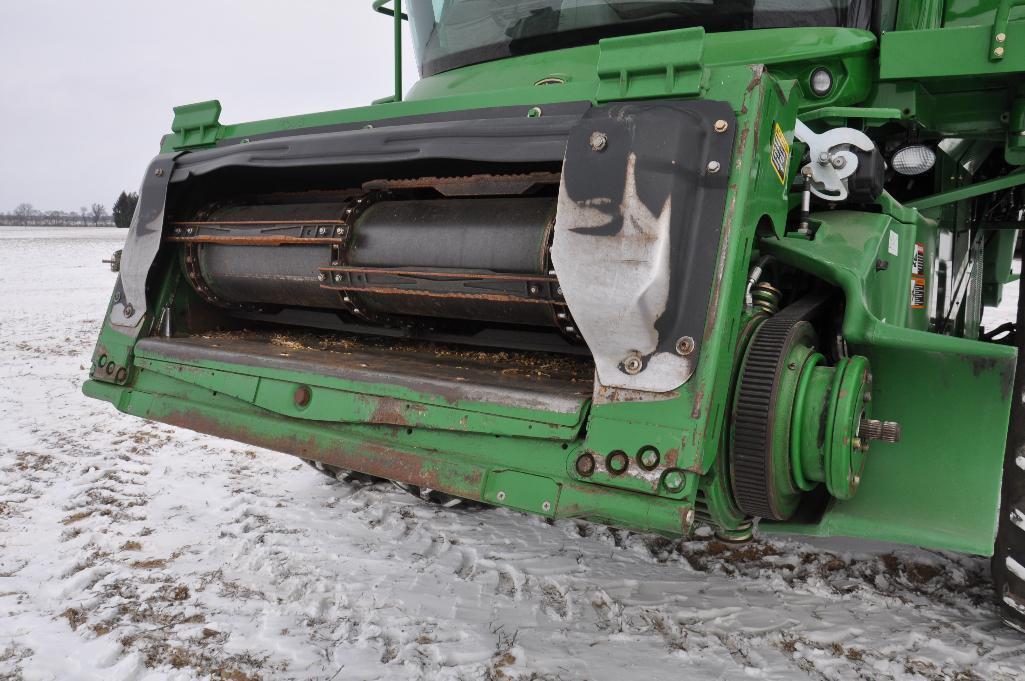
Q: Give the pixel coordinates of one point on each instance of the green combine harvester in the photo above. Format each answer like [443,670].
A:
[654,264]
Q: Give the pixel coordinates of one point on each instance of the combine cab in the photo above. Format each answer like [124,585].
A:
[652,264]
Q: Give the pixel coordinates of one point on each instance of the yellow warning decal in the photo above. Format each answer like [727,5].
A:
[780,153]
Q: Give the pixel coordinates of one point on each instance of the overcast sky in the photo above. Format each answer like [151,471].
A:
[86,87]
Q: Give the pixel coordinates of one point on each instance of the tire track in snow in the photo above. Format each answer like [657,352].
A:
[138,551]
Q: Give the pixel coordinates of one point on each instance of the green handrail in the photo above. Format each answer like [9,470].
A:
[379,6]
[399,16]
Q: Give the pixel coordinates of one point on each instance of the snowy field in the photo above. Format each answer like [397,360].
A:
[132,550]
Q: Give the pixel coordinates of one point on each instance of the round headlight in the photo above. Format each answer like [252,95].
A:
[821,82]
[913,160]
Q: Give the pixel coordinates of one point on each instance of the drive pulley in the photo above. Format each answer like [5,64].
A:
[797,421]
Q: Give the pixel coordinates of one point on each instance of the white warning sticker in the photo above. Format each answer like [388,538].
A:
[894,244]
[918,261]
[917,293]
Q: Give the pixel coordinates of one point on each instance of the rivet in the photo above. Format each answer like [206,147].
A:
[129,311]
[302,396]
[585,465]
[117,296]
[534,289]
[999,52]
[159,172]
[721,126]
[598,141]
[546,506]
[500,496]
[633,365]
[713,166]
[321,276]
[856,443]
[1001,37]
[690,516]
[685,345]
[338,277]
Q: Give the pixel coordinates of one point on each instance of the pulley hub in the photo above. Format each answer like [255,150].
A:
[796,420]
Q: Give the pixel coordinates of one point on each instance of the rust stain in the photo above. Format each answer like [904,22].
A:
[695,413]
[388,411]
[254,240]
[482,276]
[437,294]
[366,457]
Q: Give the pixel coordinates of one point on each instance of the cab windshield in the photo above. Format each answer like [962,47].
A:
[448,34]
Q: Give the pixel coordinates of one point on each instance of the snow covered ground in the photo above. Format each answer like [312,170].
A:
[132,550]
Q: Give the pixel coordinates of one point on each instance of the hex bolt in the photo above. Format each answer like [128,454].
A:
[633,365]
[546,506]
[617,462]
[129,311]
[598,141]
[321,276]
[322,231]
[685,346]
[117,296]
[534,289]
[585,465]
[648,458]
[500,496]
[339,231]
[690,517]
[1001,37]
[721,126]
[714,167]
[338,277]
[302,396]
[856,444]
[534,112]
[999,52]
[159,172]
[838,162]
[674,480]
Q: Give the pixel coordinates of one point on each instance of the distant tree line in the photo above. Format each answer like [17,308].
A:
[96,215]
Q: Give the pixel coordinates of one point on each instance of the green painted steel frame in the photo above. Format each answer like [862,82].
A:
[927,490]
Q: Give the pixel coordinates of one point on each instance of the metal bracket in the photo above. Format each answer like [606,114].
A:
[832,162]
[197,125]
[998,39]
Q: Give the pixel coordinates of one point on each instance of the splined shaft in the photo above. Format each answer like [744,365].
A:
[885,431]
